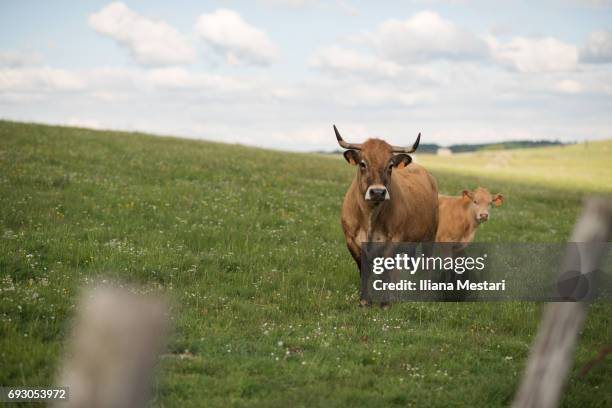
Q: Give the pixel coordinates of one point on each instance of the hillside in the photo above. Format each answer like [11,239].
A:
[248,246]
[584,166]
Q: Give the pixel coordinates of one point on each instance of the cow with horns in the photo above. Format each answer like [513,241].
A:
[390,199]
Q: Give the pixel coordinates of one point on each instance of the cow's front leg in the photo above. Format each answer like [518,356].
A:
[355,249]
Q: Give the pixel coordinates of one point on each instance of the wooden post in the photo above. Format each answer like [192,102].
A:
[117,338]
[552,353]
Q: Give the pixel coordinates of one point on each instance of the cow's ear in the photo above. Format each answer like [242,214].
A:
[498,200]
[401,160]
[467,195]
[352,156]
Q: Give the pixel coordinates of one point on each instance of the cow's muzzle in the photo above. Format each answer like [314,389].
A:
[377,194]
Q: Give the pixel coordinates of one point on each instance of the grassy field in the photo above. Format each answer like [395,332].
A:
[573,167]
[247,243]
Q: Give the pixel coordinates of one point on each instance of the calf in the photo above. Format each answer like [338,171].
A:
[460,216]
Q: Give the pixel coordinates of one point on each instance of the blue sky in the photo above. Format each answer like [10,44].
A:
[278,73]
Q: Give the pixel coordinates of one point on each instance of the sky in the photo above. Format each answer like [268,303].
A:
[279,73]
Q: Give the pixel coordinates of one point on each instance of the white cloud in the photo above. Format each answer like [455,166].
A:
[341,6]
[291,4]
[329,94]
[347,8]
[237,40]
[151,42]
[18,59]
[180,78]
[307,136]
[425,36]
[341,61]
[111,96]
[363,95]
[451,2]
[536,54]
[568,86]
[482,103]
[595,3]
[121,85]
[39,80]
[598,47]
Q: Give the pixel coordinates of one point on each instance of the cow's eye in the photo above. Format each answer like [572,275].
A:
[475,202]
[362,164]
[391,166]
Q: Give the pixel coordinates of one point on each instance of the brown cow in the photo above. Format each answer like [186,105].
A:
[460,216]
[390,199]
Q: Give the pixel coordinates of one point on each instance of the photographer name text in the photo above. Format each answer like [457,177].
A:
[428,285]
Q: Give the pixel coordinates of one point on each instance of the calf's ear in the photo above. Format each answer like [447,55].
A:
[467,195]
[498,200]
[351,156]
[401,160]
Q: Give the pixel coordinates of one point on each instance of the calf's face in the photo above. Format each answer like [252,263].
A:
[480,201]
[376,162]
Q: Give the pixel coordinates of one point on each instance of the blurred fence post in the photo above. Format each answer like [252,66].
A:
[552,353]
[116,341]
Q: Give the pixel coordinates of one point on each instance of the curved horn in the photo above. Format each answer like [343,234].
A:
[400,149]
[342,143]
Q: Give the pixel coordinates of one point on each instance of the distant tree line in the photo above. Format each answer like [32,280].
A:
[462,148]
[518,144]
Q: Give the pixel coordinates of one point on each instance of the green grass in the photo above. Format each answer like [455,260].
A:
[584,167]
[247,243]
